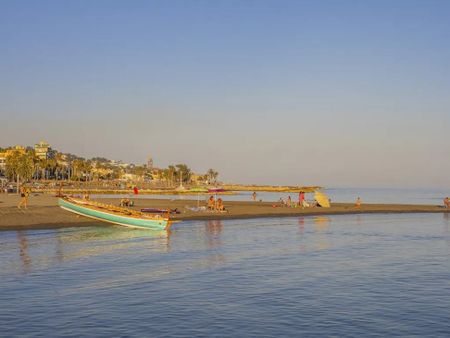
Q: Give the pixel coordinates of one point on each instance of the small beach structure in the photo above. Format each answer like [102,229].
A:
[115,215]
[322,199]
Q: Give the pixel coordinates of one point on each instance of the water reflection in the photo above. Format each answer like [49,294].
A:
[321,223]
[446,221]
[24,255]
[359,220]
[301,230]
[394,268]
[214,230]
[301,224]
[68,244]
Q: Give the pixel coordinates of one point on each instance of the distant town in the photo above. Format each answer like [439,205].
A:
[41,162]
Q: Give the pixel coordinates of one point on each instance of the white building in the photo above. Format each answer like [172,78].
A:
[43,150]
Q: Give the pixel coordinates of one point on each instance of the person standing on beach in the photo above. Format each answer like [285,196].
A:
[301,199]
[24,193]
[358,202]
[254,196]
[447,202]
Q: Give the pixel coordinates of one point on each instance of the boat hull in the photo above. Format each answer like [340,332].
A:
[157,223]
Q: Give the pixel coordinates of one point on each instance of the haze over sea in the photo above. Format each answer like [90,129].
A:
[346,276]
[330,93]
[336,94]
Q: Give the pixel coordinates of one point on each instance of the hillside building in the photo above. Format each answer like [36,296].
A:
[43,150]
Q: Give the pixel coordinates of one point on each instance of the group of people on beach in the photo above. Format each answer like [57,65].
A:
[302,202]
[214,205]
[126,202]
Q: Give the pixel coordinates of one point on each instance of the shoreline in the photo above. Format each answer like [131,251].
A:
[44,213]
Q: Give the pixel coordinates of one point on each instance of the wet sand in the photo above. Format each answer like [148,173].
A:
[43,212]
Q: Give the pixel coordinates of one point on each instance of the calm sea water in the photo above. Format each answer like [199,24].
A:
[343,276]
[349,195]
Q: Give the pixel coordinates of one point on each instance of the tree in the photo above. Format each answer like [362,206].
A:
[20,165]
[77,167]
[212,175]
[171,174]
[184,172]
[139,170]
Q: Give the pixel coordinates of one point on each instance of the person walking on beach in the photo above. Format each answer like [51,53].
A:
[24,193]
[254,196]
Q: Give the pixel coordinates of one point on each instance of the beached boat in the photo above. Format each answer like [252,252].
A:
[115,215]
[216,190]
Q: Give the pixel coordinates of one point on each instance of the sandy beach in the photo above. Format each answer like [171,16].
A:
[43,212]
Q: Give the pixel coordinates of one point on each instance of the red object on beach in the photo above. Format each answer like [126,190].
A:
[135,190]
[301,197]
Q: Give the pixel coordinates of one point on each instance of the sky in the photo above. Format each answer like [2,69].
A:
[332,93]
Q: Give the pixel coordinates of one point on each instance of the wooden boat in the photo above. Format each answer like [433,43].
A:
[115,215]
[215,190]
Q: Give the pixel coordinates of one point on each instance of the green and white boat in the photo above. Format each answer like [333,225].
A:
[115,215]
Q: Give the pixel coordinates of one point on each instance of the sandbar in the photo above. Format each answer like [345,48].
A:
[43,212]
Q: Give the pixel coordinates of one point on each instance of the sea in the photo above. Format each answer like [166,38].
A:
[375,275]
[433,196]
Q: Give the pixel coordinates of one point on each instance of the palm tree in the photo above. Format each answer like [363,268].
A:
[171,173]
[51,167]
[77,167]
[87,169]
[212,175]
[184,172]
[20,165]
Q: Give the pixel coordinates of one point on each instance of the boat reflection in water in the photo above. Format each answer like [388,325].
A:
[41,249]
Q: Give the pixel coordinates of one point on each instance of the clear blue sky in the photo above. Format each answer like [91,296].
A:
[335,93]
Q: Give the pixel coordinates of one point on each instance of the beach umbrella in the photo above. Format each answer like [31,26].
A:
[322,199]
[198,190]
